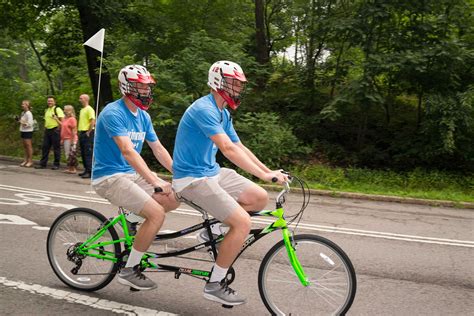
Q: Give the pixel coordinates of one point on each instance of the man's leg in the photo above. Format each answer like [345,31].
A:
[88,146]
[217,289]
[153,211]
[209,195]
[82,136]
[154,215]
[249,195]
[131,275]
[56,141]
[240,224]
[46,147]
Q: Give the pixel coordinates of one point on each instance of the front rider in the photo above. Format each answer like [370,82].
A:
[122,176]
[205,127]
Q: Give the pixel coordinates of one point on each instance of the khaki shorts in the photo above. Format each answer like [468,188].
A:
[131,191]
[217,195]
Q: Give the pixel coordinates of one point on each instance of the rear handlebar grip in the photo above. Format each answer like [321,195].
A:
[158,190]
[274,179]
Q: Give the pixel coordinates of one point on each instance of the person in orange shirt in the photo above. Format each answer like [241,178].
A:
[69,138]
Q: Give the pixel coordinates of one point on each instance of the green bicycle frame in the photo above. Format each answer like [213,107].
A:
[89,245]
[95,249]
[280,223]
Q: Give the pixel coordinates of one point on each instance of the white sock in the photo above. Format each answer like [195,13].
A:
[218,273]
[134,258]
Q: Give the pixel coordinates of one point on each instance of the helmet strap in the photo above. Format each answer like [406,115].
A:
[232,102]
[140,101]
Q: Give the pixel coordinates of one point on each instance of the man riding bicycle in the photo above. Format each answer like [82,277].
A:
[122,176]
[205,127]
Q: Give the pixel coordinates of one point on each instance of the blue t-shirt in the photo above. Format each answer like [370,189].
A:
[117,120]
[194,152]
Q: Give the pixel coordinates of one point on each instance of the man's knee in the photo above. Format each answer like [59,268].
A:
[153,212]
[168,202]
[261,197]
[255,197]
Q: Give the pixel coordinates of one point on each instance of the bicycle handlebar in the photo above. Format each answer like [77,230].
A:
[285,190]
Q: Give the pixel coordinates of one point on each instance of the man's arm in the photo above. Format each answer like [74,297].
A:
[91,126]
[161,154]
[136,161]
[240,158]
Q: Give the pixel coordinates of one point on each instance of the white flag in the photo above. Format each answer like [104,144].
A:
[96,41]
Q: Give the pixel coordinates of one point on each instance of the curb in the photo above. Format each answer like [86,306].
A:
[340,194]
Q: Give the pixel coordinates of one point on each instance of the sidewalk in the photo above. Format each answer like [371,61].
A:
[349,195]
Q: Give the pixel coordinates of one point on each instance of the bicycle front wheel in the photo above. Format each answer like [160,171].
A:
[331,276]
[76,270]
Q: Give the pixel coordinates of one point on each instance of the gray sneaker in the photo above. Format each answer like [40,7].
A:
[216,229]
[133,277]
[221,292]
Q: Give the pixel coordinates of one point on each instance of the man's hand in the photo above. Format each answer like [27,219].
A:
[165,186]
[281,177]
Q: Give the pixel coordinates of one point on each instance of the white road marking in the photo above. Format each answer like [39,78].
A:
[12,202]
[264,221]
[89,301]
[14,220]
[40,228]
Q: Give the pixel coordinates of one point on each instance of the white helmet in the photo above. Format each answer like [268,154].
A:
[216,81]
[128,77]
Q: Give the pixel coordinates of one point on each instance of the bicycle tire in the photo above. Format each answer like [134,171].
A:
[325,265]
[71,228]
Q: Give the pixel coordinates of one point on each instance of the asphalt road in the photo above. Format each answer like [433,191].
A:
[409,259]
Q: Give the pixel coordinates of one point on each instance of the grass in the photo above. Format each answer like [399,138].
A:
[418,183]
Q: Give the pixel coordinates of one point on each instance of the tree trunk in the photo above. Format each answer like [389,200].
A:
[419,108]
[261,41]
[46,69]
[23,70]
[263,55]
[90,24]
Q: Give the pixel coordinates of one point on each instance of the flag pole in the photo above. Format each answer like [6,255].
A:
[98,86]
[97,42]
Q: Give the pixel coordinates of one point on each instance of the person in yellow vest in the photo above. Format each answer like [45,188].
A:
[86,134]
[53,116]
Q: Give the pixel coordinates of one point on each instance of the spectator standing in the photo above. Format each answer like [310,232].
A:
[52,138]
[86,134]
[26,132]
[69,137]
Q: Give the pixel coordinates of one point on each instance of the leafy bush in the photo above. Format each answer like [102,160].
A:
[271,140]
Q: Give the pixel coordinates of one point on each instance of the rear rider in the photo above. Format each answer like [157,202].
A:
[120,174]
[205,127]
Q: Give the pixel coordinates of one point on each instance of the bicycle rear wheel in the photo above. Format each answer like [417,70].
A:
[331,275]
[81,272]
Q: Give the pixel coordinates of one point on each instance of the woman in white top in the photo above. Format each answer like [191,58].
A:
[26,129]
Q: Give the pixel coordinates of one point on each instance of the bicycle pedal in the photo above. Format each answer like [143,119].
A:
[227,306]
[134,289]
